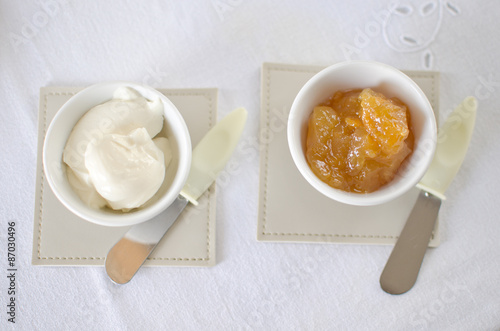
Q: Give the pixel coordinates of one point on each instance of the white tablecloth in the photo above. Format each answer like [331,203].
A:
[223,43]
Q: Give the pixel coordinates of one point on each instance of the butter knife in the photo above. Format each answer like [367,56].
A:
[209,157]
[401,271]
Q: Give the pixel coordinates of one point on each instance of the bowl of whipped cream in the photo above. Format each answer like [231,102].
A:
[117,154]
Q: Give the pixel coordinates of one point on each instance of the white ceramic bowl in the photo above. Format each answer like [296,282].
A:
[60,128]
[382,78]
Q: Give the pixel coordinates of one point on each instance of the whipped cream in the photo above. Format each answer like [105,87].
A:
[112,157]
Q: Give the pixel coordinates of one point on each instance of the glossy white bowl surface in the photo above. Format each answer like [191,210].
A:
[60,128]
[381,78]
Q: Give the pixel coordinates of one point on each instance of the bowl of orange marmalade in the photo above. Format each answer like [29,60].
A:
[361,132]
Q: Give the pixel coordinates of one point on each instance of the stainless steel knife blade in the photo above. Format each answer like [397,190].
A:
[401,270]
[126,257]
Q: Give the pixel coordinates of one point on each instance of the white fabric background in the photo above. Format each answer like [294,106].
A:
[222,43]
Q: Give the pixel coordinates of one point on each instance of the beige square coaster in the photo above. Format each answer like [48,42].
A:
[61,238]
[289,208]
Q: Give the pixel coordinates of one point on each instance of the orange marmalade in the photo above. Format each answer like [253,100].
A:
[357,140]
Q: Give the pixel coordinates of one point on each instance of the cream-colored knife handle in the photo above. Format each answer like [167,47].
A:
[212,153]
[453,138]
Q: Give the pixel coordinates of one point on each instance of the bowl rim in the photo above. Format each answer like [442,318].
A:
[377,197]
[138,216]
